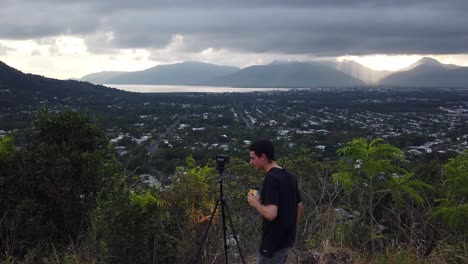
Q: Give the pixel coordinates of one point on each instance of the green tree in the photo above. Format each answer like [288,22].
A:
[320,194]
[7,156]
[132,227]
[54,182]
[453,209]
[7,148]
[372,170]
[191,197]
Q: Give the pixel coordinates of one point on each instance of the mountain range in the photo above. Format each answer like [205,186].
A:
[426,72]
[187,73]
[276,74]
[287,74]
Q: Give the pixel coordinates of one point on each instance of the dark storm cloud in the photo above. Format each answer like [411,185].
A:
[36,19]
[323,28]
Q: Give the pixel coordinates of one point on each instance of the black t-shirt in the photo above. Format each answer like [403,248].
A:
[280,188]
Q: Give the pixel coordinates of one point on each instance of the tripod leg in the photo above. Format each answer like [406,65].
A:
[224,229]
[197,260]
[234,231]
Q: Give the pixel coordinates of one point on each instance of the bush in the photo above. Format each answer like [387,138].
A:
[52,184]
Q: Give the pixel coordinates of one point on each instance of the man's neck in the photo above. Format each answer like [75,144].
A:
[270,166]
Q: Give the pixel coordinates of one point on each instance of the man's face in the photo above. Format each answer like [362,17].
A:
[256,161]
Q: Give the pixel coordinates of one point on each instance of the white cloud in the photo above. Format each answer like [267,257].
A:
[4,49]
[67,57]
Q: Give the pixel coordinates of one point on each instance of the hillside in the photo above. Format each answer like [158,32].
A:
[429,75]
[186,73]
[18,87]
[293,75]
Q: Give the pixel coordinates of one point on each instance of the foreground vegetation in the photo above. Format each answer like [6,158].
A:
[66,199]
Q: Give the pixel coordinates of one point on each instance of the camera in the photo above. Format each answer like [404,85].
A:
[222,161]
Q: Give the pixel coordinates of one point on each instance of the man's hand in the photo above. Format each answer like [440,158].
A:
[253,201]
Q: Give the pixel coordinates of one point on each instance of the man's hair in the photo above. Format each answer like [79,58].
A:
[263,146]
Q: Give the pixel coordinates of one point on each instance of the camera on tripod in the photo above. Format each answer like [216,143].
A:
[222,161]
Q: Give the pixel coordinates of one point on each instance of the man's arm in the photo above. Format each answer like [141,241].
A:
[268,211]
[300,209]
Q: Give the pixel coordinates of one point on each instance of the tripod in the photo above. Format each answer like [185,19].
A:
[224,211]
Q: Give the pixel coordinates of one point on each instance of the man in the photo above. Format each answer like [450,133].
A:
[279,204]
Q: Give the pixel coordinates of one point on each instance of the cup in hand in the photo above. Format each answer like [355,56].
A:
[255,191]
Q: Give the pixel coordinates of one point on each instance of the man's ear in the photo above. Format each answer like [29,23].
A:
[263,156]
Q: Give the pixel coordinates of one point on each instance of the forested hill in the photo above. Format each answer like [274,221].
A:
[24,87]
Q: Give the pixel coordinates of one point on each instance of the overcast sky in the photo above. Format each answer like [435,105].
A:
[70,38]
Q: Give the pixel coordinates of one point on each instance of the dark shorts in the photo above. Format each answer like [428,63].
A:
[279,257]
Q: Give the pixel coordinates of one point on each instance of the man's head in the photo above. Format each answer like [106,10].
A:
[261,153]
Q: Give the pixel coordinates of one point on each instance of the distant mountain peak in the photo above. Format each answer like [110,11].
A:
[428,72]
[429,62]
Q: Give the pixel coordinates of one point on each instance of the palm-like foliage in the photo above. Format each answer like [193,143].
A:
[453,210]
[370,171]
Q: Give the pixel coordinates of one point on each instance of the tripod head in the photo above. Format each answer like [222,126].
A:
[221,162]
